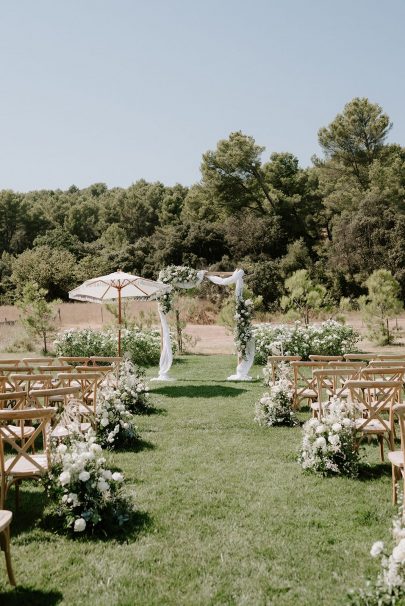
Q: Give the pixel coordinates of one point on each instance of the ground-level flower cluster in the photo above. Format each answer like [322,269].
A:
[328,443]
[275,406]
[85,494]
[389,587]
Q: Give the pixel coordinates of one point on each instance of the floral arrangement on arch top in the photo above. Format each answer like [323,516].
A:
[172,274]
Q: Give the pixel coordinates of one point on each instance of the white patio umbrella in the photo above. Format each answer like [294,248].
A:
[118,285]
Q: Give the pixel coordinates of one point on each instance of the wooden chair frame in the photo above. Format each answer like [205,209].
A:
[320,358]
[274,362]
[5,521]
[332,381]
[12,470]
[88,384]
[397,457]
[372,399]
[304,386]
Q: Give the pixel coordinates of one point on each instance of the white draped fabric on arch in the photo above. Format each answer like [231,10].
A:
[166,358]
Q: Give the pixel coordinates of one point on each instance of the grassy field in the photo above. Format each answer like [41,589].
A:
[225,515]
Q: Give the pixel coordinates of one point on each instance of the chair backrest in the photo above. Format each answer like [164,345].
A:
[54,369]
[13,400]
[74,360]
[400,356]
[45,361]
[383,373]
[10,361]
[319,358]
[374,398]
[100,360]
[27,382]
[88,381]
[332,381]
[303,377]
[13,437]
[347,364]
[359,356]
[386,363]
[274,361]
[43,398]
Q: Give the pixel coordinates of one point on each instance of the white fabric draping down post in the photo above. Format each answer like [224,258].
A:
[166,356]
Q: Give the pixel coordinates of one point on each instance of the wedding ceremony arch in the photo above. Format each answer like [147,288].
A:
[183,277]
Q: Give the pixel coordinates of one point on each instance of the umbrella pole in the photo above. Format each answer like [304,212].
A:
[119,321]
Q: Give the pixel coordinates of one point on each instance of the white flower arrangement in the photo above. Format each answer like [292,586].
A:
[328,444]
[275,407]
[243,327]
[84,492]
[175,274]
[389,587]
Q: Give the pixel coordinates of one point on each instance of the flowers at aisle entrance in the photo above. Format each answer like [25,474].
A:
[243,328]
[175,274]
[275,406]
[84,493]
[389,587]
[132,389]
[328,443]
[115,423]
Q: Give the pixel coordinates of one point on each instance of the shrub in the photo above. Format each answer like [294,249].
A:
[142,346]
[329,338]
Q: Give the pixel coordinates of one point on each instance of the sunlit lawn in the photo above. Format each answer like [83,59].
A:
[225,514]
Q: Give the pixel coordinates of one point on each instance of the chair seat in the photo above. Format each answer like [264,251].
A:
[374,426]
[22,432]
[396,457]
[24,467]
[307,393]
[5,519]
[85,410]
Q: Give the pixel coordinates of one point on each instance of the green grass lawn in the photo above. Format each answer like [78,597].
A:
[225,514]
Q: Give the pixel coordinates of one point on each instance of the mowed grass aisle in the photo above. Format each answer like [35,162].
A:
[226,515]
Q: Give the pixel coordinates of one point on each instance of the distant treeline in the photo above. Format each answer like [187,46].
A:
[341,219]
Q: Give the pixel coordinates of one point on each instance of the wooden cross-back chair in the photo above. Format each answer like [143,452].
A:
[5,521]
[400,356]
[346,364]
[373,400]
[16,400]
[89,383]
[10,361]
[275,361]
[385,363]
[383,373]
[305,387]
[104,372]
[331,382]
[24,464]
[397,457]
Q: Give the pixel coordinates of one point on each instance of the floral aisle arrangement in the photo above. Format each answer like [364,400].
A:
[327,338]
[275,406]
[389,587]
[115,423]
[243,327]
[328,444]
[85,494]
[172,274]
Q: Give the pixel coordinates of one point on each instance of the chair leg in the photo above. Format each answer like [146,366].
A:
[381,441]
[5,546]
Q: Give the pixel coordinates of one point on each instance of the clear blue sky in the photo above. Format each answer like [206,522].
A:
[116,90]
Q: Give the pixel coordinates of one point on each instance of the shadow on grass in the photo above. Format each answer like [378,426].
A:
[24,596]
[199,391]
[138,521]
[31,508]
[374,471]
[152,410]
[138,446]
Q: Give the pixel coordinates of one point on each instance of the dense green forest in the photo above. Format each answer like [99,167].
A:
[341,219]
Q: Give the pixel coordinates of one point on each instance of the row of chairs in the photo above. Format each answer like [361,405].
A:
[373,385]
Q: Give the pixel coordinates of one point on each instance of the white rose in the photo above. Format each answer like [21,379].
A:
[104,422]
[64,478]
[336,427]
[102,485]
[117,477]
[80,525]
[376,549]
[62,448]
[84,476]
[107,475]
[398,553]
[334,439]
[320,429]
[320,443]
